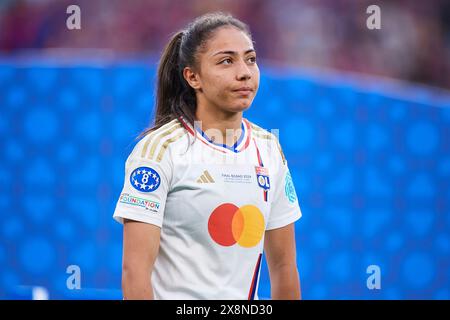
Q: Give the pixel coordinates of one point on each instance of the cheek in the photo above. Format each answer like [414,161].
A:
[217,86]
[255,77]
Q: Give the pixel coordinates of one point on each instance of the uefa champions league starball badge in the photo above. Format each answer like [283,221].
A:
[145,179]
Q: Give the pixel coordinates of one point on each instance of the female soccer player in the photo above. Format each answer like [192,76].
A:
[206,190]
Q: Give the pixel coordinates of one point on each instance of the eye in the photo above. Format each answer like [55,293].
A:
[252,59]
[228,61]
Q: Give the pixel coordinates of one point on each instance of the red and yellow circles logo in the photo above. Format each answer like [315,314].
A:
[229,224]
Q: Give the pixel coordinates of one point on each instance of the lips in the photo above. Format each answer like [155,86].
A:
[244,90]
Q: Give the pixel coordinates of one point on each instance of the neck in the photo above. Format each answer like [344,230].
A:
[218,122]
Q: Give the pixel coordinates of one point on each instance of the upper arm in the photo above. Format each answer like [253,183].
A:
[281,259]
[147,183]
[279,246]
[140,245]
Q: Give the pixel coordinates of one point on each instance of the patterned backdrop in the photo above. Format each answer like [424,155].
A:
[371,166]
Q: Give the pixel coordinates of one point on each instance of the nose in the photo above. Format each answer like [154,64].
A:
[243,72]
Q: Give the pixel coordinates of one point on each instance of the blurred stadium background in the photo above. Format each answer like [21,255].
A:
[364,119]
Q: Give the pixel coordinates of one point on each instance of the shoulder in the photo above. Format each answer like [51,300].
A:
[155,144]
[259,132]
[268,139]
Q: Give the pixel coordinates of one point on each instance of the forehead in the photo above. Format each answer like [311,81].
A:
[228,39]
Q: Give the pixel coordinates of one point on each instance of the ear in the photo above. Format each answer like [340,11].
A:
[192,78]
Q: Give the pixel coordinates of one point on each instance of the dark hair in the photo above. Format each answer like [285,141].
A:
[174,96]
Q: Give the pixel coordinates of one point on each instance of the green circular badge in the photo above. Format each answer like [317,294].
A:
[289,188]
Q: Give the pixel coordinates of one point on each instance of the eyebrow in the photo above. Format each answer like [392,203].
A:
[232,53]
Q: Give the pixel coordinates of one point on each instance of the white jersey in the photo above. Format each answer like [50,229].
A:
[213,203]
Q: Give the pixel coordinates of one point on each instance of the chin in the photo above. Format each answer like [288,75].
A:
[240,107]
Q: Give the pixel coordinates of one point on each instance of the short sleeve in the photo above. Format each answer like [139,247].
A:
[145,189]
[285,208]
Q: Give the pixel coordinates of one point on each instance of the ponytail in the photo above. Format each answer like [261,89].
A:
[174,97]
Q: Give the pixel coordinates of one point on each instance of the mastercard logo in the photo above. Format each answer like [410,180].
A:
[229,224]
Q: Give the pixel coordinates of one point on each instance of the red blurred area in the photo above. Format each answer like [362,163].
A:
[413,43]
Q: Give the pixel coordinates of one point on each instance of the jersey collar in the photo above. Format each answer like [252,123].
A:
[241,144]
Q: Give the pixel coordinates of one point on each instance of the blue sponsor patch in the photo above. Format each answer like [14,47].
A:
[289,188]
[145,179]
